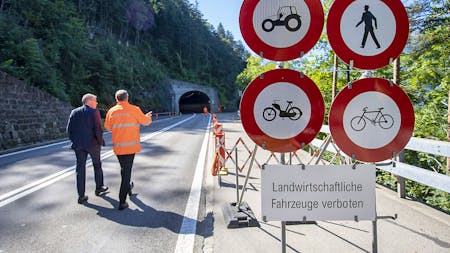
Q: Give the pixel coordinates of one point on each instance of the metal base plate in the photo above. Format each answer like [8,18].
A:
[239,218]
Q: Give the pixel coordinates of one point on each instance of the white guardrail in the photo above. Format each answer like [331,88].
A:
[403,170]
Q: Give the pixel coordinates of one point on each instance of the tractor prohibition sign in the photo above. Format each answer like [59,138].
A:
[292,21]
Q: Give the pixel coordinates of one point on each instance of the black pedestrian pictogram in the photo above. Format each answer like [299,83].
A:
[291,112]
[367,18]
[286,16]
[385,121]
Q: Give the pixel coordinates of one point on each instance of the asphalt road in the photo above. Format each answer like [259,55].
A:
[38,200]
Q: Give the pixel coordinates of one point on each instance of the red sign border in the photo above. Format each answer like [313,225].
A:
[343,99]
[281,54]
[367,62]
[255,88]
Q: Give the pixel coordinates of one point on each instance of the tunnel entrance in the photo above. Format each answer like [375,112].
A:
[193,102]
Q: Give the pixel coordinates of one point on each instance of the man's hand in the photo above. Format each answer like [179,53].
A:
[149,113]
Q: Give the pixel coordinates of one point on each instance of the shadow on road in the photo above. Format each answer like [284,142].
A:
[146,216]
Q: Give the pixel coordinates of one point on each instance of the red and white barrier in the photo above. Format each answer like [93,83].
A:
[220,152]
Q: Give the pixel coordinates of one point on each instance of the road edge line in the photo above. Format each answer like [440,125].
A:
[188,229]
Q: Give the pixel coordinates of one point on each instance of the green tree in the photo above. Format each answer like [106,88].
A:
[255,67]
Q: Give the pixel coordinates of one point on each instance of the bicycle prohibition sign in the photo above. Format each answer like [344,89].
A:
[291,112]
[385,121]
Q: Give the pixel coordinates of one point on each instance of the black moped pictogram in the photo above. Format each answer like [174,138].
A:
[286,16]
[385,121]
[291,112]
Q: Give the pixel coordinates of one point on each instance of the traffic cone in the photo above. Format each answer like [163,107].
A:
[215,166]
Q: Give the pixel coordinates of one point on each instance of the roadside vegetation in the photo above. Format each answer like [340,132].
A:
[424,76]
[70,47]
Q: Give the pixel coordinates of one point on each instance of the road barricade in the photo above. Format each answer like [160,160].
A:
[220,152]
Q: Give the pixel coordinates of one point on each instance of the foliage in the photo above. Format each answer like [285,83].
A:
[72,47]
[255,67]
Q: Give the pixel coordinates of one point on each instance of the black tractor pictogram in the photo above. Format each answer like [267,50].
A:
[286,16]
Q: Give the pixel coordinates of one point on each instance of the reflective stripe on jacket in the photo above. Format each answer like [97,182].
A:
[124,120]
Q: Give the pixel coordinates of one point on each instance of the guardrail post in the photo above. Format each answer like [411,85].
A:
[401,181]
[401,187]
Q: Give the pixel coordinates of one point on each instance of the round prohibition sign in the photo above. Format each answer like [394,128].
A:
[367,34]
[282,110]
[279,31]
[371,119]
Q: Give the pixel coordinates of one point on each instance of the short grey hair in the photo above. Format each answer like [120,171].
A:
[86,97]
[121,95]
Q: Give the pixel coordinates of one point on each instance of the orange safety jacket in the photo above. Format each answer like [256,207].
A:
[124,120]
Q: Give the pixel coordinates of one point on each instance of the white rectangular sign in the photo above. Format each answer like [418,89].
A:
[318,192]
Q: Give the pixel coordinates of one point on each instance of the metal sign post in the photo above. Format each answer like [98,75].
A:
[237,176]
[283,223]
[248,175]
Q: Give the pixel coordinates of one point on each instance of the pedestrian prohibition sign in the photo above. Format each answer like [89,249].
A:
[371,120]
[282,110]
[367,34]
[281,30]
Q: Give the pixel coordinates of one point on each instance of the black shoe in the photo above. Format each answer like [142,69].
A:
[82,199]
[101,190]
[123,205]
[130,192]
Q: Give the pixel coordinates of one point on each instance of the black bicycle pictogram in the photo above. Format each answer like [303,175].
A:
[286,16]
[291,112]
[385,121]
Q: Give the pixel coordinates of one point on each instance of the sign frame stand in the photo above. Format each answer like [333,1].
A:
[375,222]
[239,214]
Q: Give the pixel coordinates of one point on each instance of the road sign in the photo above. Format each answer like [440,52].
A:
[317,192]
[281,31]
[371,119]
[367,34]
[282,110]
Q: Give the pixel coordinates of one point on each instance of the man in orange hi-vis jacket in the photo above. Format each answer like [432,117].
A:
[124,120]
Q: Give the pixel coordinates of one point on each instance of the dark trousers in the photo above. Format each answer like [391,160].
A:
[126,164]
[81,155]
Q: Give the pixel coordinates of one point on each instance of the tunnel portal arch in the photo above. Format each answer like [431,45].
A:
[194,102]
[182,90]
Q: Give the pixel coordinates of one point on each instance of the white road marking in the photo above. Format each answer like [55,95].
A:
[46,181]
[53,144]
[186,235]
[32,149]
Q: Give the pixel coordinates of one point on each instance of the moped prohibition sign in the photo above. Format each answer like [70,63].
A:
[282,110]
[371,119]
[367,34]
[281,30]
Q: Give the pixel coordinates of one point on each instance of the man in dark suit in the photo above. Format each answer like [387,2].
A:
[85,132]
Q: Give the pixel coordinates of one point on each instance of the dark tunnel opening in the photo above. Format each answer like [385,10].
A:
[193,102]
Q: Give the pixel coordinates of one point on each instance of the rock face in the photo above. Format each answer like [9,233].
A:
[29,115]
